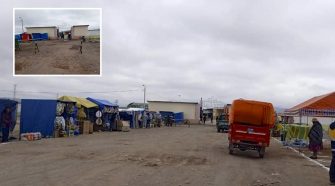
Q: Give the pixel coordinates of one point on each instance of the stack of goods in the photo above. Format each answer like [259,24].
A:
[32,136]
[59,128]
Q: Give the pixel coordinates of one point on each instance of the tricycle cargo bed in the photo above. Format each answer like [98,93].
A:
[252,113]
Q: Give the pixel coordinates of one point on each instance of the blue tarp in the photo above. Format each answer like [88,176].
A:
[40,36]
[44,36]
[18,37]
[179,117]
[38,116]
[36,36]
[102,103]
[12,104]
[165,114]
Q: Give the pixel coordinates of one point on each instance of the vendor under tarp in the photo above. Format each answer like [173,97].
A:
[106,116]
[82,103]
[7,103]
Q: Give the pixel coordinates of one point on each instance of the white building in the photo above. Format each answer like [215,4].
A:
[51,30]
[77,31]
[191,110]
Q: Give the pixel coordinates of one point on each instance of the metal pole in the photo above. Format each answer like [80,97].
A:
[144,90]
[21,23]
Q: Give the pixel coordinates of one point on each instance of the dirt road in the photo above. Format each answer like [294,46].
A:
[58,57]
[159,156]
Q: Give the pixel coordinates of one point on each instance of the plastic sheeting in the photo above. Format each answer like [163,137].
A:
[297,132]
[38,116]
[12,104]
[179,117]
[79,101]
[102,103]
[323,102]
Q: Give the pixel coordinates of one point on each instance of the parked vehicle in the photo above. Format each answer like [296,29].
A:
[250,124]
[222,121]
[222,124]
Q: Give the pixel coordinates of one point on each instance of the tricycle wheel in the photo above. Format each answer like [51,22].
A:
[261,152]
[231,148]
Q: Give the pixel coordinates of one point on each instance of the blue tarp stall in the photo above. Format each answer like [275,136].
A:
[38,116]
[4,103]
[179,117]
[132,115]
[166,114]
[18,37]
[36,36]
[106,117]
[40,36]
[44,36]
[127,116]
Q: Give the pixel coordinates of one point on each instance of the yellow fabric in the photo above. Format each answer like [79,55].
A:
[331,133]
[279,127]
[81,113]
[79,101]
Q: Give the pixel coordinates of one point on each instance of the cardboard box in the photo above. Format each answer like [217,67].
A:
[84,127]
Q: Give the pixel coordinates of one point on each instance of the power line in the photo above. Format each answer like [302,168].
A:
[88,92]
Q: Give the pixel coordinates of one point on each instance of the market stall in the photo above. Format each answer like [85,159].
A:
[86,110]
[50,118]
[320,107]
[106,116]
[132,115]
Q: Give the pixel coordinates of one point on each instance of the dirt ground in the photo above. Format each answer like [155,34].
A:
[159,156]
[58,57]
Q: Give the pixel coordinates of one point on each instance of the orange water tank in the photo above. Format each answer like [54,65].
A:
[251,112]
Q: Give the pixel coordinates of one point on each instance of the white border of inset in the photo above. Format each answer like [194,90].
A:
[57,75]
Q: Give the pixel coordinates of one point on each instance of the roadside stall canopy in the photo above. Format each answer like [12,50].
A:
[11,104]
[38,116]
[102,103]
[323,105]
[79,101]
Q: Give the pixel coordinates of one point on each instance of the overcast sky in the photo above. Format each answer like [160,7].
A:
[62,18]
[278,51]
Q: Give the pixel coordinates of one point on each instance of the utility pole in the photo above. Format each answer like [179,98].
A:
[14,92]
[144,90]
[21,23]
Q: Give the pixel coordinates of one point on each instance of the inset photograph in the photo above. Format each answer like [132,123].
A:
[53,41]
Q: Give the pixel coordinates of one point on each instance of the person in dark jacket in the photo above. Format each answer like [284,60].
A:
[6,122]
[315,136]
[331,133]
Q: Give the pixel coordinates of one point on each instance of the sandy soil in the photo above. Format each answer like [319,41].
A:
[58,57]
[160,156]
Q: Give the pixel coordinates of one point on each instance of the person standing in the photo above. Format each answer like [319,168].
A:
[315,136]
[212,118]
[6,121]
[331,133]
